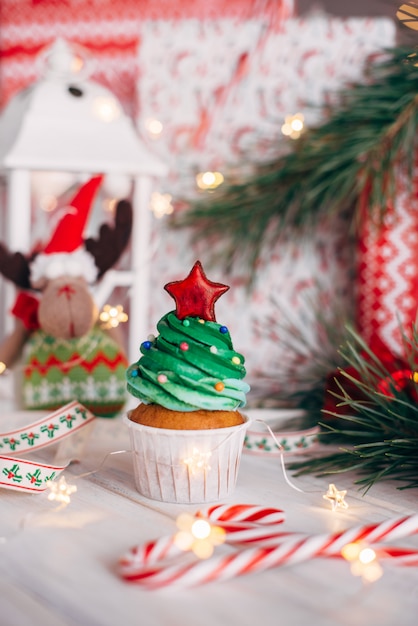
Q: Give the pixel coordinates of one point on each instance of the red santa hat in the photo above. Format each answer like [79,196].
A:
[64,254]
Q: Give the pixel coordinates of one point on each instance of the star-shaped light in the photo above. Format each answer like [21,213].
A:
[363,561]
[60,490]
[198,461]
[112,316]
[196,295]
[198,535]
[336,497]
[161,204]
[293,125]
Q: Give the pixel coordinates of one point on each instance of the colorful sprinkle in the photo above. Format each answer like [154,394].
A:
[162,378]
[236,360]
[186,322]
[147,345]
[223,330]
[184,346]
[134,373]
[219,386]
[201,321]
[213,349]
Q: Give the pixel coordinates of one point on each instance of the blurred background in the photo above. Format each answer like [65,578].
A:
[209,86]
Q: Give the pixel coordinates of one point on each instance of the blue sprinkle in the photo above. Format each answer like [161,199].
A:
[147,345]
[223,330]
[134,373]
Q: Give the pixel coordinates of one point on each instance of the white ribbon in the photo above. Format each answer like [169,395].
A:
[32,476]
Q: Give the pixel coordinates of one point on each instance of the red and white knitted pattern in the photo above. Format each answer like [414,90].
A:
[109,29]
[387,274]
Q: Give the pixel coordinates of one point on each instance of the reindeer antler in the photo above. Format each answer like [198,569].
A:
[15,267]
[112,241]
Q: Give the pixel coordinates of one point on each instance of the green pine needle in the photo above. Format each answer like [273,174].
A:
[379,437]
[367,138]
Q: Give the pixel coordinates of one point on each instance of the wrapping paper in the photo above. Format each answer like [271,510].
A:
[112,30]
[387,289]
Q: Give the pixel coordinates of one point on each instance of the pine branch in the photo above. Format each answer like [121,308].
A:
[310,342]
[367,138]
[379,435]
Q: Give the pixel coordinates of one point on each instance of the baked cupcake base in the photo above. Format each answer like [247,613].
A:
[160,417]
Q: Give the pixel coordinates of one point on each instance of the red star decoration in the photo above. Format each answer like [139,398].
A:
[196,295]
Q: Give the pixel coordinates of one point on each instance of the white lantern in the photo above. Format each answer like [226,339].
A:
[71,125]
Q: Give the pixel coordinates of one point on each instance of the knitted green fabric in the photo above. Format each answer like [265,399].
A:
[90,369]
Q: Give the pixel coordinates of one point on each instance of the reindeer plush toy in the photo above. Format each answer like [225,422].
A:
[66,355]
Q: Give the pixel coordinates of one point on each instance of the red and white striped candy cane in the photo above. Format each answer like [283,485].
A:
[243,523]
[286,549]
[247,514]
[247,523]
[403,556]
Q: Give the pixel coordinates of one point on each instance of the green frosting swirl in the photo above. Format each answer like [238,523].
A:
[190,365]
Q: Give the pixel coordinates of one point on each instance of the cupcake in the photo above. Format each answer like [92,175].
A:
[187,433]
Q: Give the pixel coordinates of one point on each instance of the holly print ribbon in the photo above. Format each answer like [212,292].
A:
[30,476]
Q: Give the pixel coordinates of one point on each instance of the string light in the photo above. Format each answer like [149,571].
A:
[47,187]
[154,127]
[62,62]
[293,126]
[199,461]
[363,561]
[198,535]
[112,316]
[161,204]
[77,64]
[109,205]
[48,202]
[60,491]
[209,180]
[106,108]
[336,497]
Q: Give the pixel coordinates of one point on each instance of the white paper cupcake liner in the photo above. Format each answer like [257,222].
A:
[186,466]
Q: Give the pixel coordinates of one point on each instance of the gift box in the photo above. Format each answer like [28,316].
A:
[387,270]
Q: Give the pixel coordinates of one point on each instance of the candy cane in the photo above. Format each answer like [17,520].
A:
[247,523]
[285,548]
[249,514]
[403,556]
[242,523]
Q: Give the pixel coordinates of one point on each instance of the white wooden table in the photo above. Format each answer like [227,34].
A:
[59,568]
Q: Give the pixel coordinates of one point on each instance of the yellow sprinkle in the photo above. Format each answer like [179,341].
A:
[236,360]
